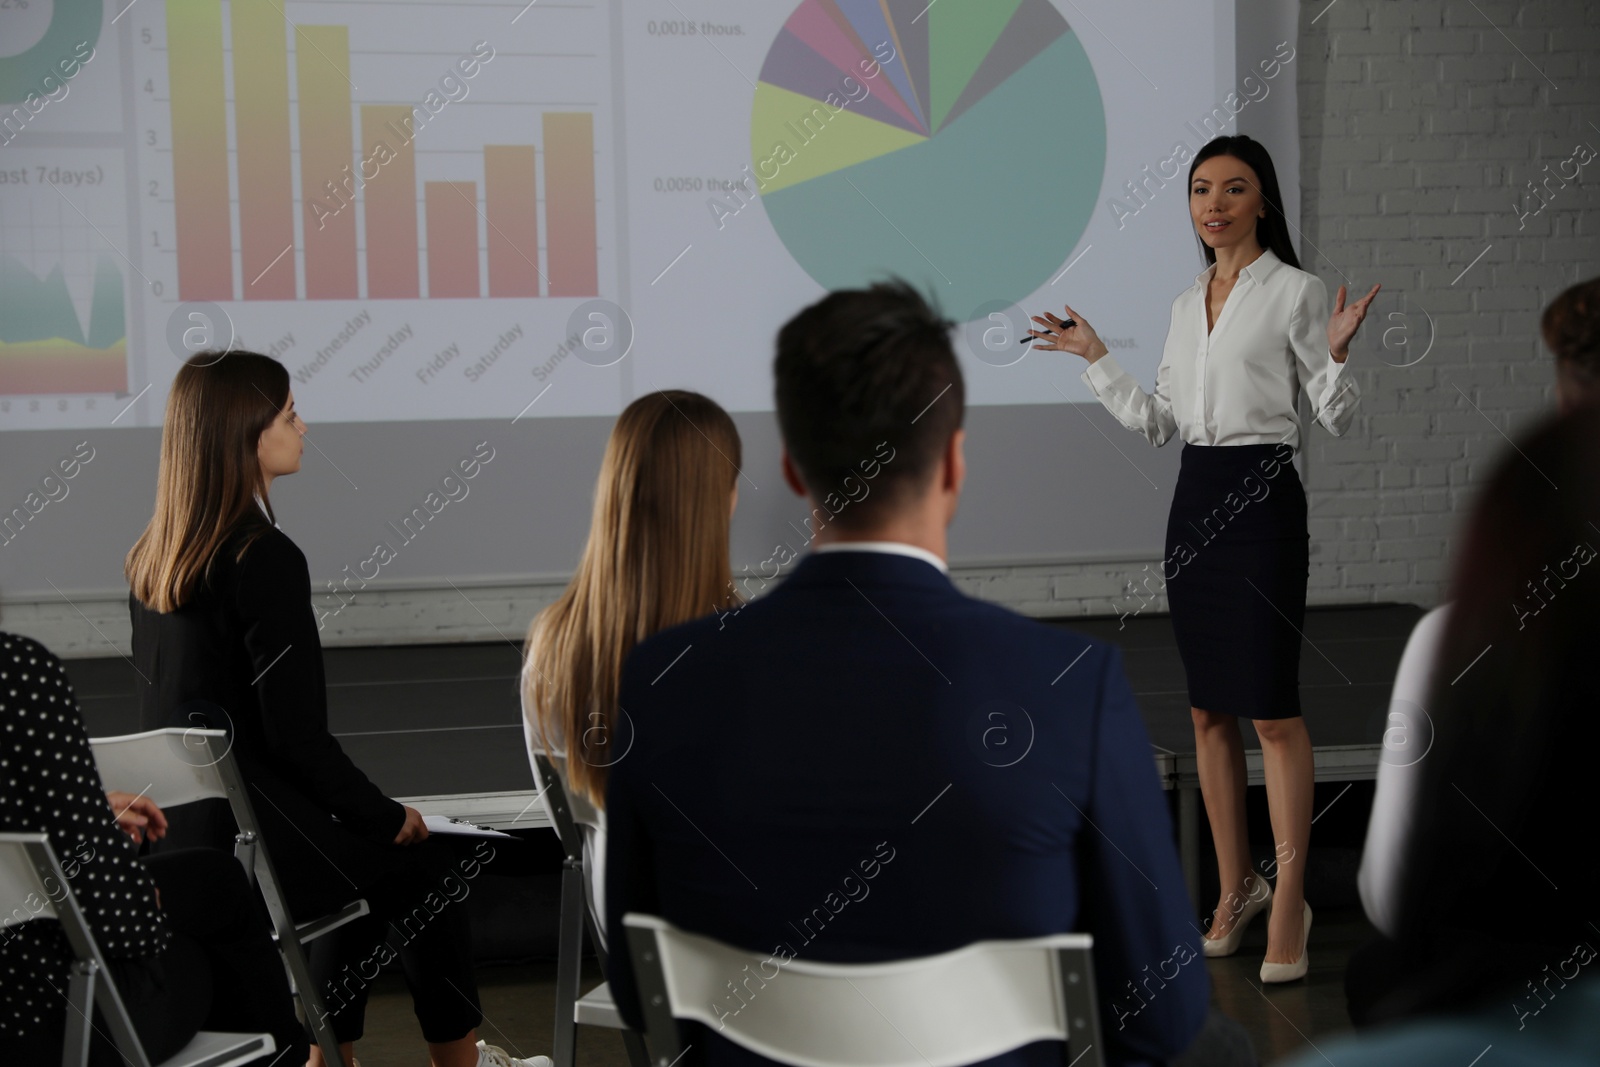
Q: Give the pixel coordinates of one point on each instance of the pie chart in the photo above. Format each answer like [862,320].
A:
[960,145]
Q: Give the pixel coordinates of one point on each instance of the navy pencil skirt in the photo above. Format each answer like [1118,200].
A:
[1238,555]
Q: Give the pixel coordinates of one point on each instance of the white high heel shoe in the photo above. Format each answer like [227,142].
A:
[1228,944]
[1289,972]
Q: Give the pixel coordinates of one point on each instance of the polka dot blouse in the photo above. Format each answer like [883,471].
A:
[48,784]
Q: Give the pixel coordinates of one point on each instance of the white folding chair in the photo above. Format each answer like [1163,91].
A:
[176,766]
[31,877]
[958,1007]
[596,1007]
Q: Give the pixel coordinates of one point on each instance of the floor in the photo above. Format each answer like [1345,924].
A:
[518,1003]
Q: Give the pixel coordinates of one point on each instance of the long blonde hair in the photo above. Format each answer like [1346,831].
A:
[210,476]
[657,555]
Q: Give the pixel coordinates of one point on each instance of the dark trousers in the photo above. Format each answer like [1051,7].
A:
[221,971]
[416,894]
[208,902]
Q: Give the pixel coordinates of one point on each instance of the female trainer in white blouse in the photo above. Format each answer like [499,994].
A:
[1246,340]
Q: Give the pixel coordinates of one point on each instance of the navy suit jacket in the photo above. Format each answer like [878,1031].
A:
[867,764]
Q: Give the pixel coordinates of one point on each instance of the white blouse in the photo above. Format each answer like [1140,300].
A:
[1241,383]
[1394,801]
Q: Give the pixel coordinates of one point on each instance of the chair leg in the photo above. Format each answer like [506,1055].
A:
[294,959]
[310,997]
[80,1006]
[88,985]
[569,959]
[633,1042]
[244,850]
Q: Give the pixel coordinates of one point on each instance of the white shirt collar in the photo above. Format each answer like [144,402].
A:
[1257,271]
[893,548]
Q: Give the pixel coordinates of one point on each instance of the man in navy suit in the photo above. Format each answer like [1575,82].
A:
[866,763]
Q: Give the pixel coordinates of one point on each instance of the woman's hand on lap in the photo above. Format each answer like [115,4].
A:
[137,816]
[413,830]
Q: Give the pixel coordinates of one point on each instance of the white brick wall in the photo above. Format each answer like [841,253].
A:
[1421,124]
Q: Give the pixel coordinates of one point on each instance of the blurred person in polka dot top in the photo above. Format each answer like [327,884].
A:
[184,934]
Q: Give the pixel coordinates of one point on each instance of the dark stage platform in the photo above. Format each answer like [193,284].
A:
[440,727]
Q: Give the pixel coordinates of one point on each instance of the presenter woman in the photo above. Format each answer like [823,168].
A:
[221,606]
[1250,337]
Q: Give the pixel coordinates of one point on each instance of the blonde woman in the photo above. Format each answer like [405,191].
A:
[657,556]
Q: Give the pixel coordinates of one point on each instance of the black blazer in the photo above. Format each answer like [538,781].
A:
[868,764]
[247,641]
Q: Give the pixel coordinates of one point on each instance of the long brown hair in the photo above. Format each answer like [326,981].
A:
[210,476]
[1499,811]
[657,555]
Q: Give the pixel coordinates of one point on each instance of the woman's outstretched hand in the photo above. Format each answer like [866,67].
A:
[1345,321]
[1056,336]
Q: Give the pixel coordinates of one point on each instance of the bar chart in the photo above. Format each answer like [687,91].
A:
[290,183]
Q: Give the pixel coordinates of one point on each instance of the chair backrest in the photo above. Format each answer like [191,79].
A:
[954,1008]
[566,811]
[22,885]
[171,766]
[31,877]
[19,883]
[179,766]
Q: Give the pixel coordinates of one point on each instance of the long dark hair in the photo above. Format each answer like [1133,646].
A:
[1273,231]
[210,475]
[1513,709]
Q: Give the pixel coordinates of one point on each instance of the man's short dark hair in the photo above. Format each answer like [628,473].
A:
[865,374]
[1571,327]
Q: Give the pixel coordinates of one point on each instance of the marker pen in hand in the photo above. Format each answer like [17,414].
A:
[1066,324]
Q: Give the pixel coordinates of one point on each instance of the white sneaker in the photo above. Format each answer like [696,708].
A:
[495,1056]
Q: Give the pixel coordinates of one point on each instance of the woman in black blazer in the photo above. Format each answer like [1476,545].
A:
[221,607]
